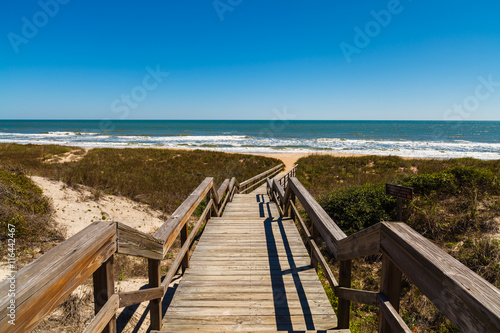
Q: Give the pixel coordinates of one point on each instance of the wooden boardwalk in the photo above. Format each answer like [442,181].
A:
[250,272]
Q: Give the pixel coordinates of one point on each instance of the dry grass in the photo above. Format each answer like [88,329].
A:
[160,178]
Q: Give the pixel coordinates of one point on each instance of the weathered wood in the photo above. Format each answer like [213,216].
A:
[363,243]
[249,272]
[136,243]
[222,189]
[344,308]
[46,282]
[328,230]
[100,322]
[154,274]
[171,228]
[104,288]
[469,302]
[315,251]
[279,191]
[138,296]
[391,315]
[324,265]
[276,199]
[260,175]
[390,286]
[269,187]
[185,258]
[185,248]
[356,295]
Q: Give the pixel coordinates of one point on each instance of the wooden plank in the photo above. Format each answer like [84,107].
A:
[327,228]
[185,248]
[172,227]
[391,315]
[200,311]
[154,274]
[184,237]
[138,296]
[105,315]
[222,189]
[268,304]
[344,308]
[260,175]
[470,302]
[360,296]
[46,282]
[250,323]
[104,288]
[136,243]
[249,268]
[291,296]
[390,287]
[363,243]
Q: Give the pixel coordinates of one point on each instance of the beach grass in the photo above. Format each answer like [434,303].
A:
[162,178]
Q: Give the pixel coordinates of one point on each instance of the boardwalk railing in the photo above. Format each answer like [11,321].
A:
[284,179]
[468,301]
[44,284]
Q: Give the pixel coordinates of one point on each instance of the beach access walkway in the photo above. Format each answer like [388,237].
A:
[250,271]
[248,265]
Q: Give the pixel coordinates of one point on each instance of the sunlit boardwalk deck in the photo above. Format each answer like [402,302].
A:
[250,272]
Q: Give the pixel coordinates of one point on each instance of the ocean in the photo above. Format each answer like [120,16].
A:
[428,139]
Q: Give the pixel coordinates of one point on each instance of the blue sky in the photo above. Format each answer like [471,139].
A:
[242,59]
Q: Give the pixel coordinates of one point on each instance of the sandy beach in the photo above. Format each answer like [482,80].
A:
[290,159]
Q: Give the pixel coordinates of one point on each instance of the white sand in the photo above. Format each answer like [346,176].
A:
[75,209]
[290,159]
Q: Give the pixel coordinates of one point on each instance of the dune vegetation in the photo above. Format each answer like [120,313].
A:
[456,205]
[158,177]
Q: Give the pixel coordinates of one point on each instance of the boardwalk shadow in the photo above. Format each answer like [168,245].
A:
[281,304]
[127,314]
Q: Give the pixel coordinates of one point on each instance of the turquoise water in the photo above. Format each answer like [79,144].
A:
[436,139]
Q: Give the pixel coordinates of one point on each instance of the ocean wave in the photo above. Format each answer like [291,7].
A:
[250,144]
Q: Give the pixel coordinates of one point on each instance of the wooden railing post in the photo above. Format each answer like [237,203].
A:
[184,236]
[207,198]
[155,304]
[390,286]
[292,213]
[344,305]
[314,235]
[104,287]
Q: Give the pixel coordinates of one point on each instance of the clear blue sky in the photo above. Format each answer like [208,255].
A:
[262,55]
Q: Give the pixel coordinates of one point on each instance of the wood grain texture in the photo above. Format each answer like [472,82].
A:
[154,275]
[390,287]
[261,175]
[471,303]
[169,231]
[363,243]
[328,230]
[250,272]
[46,282]
[104,288]
[138,296]
[391,315]
[360,296]
[101,320]
[136,243]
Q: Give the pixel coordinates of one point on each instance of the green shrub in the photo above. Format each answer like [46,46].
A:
[23,205]
[427,183]
[359,207]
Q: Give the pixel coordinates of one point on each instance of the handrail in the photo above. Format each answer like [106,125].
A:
[43,284]
[249,184]
[284,179]
[468,301]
